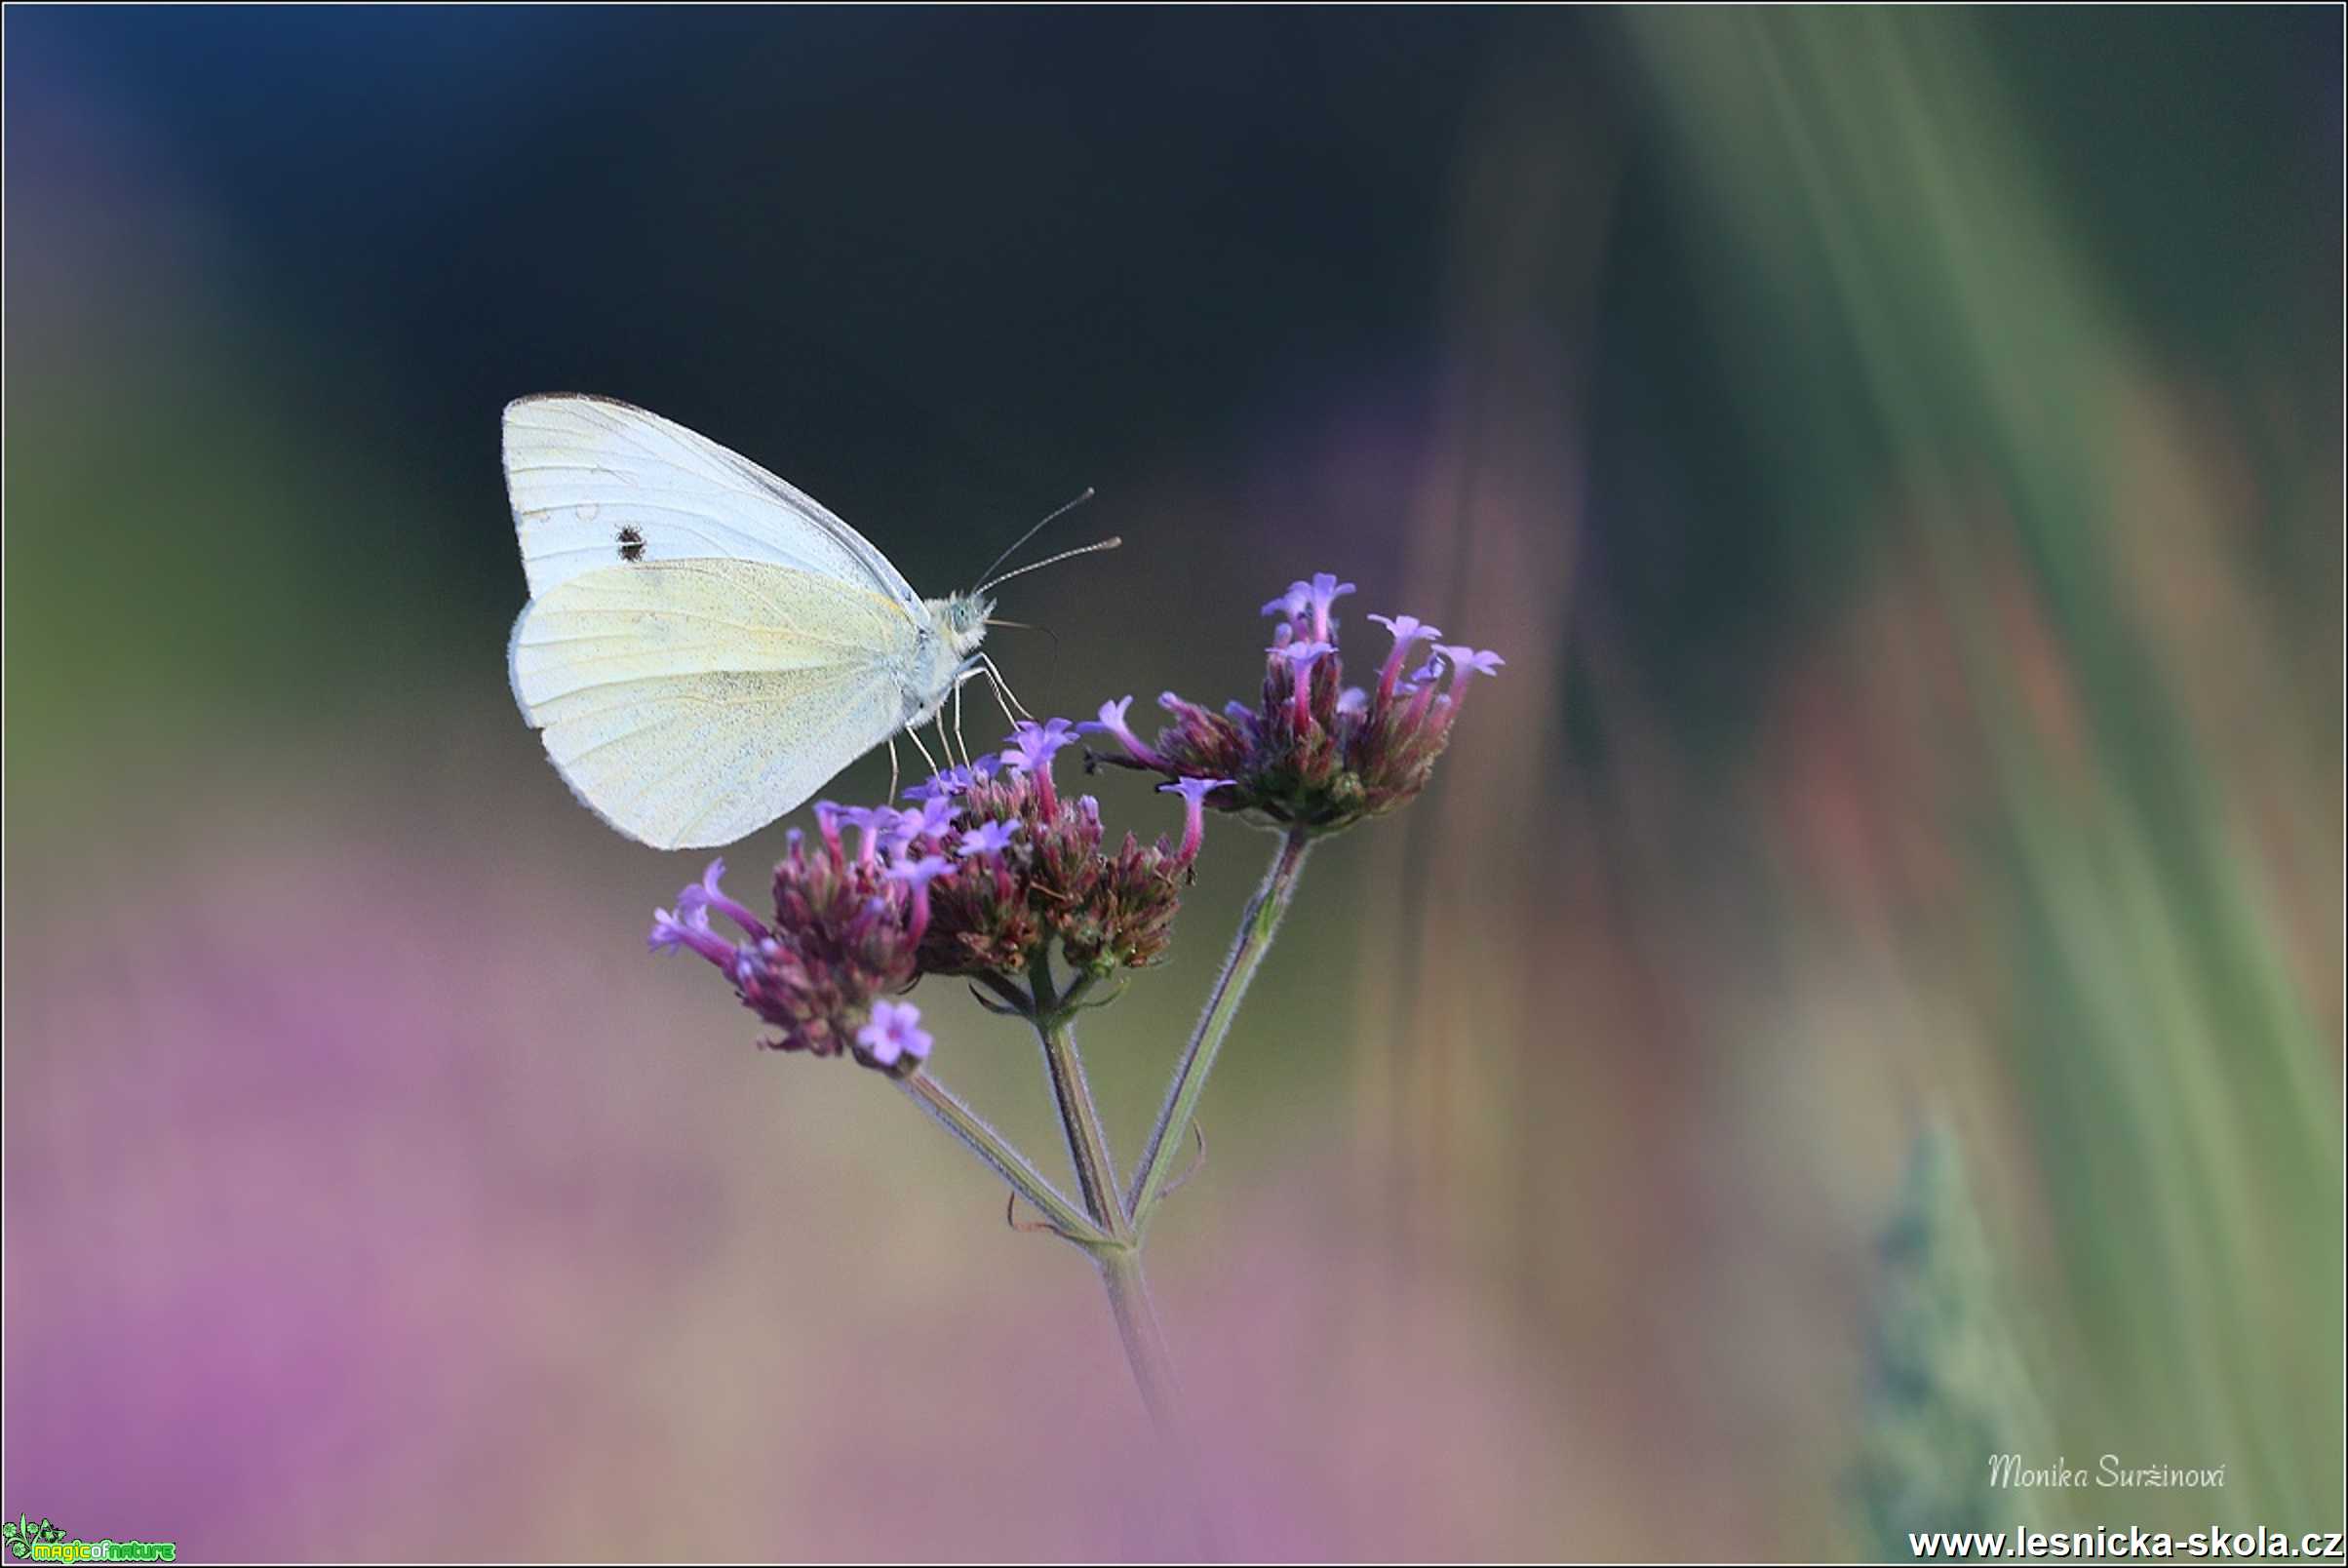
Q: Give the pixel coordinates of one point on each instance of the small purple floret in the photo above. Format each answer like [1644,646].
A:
[987,838]
[1314,596]
[918,871]
[894,1034]
[1326,591]
[689,927]
[689,924]
[934,819]
[1409,631]
[1468,660]
[918,874]
[1303,654]
[706,894]
[1032,745]
[871,823]
[1465,661]
[1112,723]
[826,823]
[1193,793]
[1291,605]
[1030,751]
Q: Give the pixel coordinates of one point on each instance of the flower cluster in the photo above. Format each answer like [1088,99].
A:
[1312,753]
[988,868]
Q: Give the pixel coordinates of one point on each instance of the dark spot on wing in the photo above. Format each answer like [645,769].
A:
[631,544]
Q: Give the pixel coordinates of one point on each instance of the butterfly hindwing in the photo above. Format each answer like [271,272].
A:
[689,703]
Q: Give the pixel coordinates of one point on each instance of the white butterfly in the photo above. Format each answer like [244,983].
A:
[705,647]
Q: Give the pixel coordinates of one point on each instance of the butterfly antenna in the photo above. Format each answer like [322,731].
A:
[1062,512]
[1110,543]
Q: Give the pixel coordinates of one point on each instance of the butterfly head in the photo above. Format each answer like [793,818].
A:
[964,620]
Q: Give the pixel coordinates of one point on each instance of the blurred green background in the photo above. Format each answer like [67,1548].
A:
[1899,455]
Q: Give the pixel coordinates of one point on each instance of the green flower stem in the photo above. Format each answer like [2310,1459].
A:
[1007,1162]
[1256,930]
[1153,1365]
[1118,1257]
[1079,1117]
[1144,1339]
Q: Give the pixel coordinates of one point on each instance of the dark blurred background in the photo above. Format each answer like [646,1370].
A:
[1899,455]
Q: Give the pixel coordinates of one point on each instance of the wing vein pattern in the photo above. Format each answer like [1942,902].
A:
[580,470]
[682,738]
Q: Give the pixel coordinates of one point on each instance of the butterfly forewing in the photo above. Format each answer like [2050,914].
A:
[596,483]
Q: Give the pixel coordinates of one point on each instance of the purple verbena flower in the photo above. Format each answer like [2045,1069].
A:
[1310,599]
[1326,591]
[1302,656]
[935,818]
[688,927]
[706,894]
[904,827]
[957,780]
[1312,752]
[919,871]
[987,838]
[1032,748]
[916,875]
[894,1035]
[1291,606]
[826,823]
[1465,661]
[936,787]
[1193,793]
[853,929]
[1306,653]
[1032,745]
[1112,723]
[1409,631]
[871,823]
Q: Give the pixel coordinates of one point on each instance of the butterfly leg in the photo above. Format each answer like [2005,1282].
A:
[1012,707]
[946,740]
[995,685]
[892,769]
[915,736]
